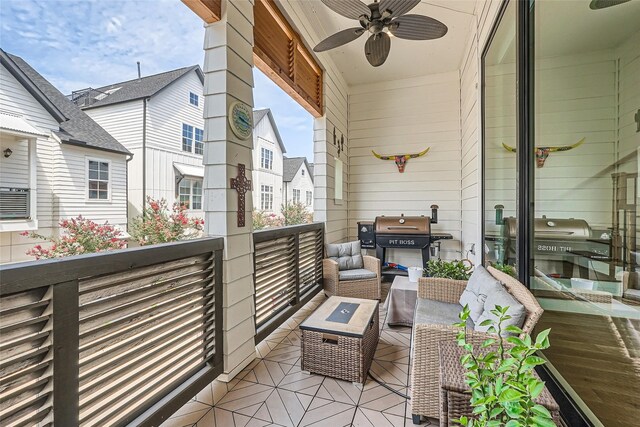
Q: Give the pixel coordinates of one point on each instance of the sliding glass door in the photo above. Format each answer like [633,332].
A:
[586,123]
[578,212]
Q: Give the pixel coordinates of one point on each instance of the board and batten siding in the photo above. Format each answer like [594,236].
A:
[265,137]
[416,114]
[327,209]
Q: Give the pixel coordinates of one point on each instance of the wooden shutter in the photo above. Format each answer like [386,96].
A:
[279,53]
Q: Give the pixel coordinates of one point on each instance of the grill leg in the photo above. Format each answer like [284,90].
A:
[425,256]
[381,254]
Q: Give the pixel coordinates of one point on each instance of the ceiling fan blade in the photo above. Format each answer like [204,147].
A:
[417,27]
[376,49]
[397,7]
[603,4]
[338,39]
[352,9]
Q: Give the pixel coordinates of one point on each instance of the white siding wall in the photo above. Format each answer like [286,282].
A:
[70,183]
[302,183]
[332,212]
[124,122]
[417,113]
[264,136]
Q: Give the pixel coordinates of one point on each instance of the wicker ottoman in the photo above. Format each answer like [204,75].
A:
[340,338]
[455,393]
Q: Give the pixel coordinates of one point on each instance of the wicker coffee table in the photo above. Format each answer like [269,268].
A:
[455,393]
[340,338]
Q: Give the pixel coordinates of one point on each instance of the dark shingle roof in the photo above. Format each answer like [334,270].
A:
[311,166]
[258,115]
[76,127]
[291,166]
[135,89]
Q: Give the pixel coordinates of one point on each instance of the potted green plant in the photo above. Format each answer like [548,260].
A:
[455,270]
[505,268]
[500,375]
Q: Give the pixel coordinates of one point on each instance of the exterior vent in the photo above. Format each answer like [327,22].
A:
[14,203]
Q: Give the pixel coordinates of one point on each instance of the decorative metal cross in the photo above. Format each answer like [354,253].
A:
[241,184]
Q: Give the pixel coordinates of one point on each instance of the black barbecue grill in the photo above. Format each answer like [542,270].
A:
[400,232]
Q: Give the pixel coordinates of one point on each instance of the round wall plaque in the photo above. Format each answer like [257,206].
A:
[241,119]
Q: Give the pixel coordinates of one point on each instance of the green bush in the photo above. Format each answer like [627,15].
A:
[506,268]
[262,220]
[296,213]
[456,270]
[503,386]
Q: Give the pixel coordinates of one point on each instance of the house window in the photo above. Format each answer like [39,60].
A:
[309,198]
[296,196]
[187,137]
[266,197]
[193,99]
[198,147]
[98,180]
[190,193]
[266,158]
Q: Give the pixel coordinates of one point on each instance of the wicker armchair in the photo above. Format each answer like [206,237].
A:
[362,288]
[426,337]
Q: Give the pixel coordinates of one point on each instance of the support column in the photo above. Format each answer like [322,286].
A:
[32,147]
[228,78]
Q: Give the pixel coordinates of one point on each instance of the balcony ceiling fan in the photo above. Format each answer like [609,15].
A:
[380,19]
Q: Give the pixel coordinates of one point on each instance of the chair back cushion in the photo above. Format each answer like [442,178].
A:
[479,285]
[347,255]
[524,297]
[500,296]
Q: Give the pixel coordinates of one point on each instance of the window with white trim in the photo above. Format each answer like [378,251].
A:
[190,193]
[98,180]
[296,196]
[193,99]
[266,158]
[266,197]
[198,147]
[187,137]
[309,198]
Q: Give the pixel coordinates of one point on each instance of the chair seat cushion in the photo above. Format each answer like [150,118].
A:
[356,274]
[438,313]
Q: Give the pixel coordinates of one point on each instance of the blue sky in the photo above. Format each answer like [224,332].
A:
[77,44]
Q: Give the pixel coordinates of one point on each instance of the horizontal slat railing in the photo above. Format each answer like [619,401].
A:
[287,272]
[111,339]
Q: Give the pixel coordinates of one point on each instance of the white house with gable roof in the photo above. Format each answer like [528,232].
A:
[159,118]
[55,161]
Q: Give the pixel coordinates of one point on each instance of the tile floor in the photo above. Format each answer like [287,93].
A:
[272,390]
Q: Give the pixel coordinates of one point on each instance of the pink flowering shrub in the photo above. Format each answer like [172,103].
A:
[77,236]
[262,220]
[159,225]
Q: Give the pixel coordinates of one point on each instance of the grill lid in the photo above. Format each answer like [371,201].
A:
[403,225]
[553,228]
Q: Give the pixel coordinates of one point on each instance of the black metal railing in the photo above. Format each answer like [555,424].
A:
[119,338]
[14,203]
[287,272]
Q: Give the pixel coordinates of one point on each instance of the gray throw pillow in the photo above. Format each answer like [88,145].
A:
[503,298]
[347,255]
[479,285]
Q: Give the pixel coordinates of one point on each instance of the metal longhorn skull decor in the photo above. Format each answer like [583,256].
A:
[401,159]
[543,152]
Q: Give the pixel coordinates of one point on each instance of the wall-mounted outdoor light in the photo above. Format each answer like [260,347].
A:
[7,152]
[499,209]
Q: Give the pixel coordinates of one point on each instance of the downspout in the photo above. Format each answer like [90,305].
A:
[126,187]
[144,153]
